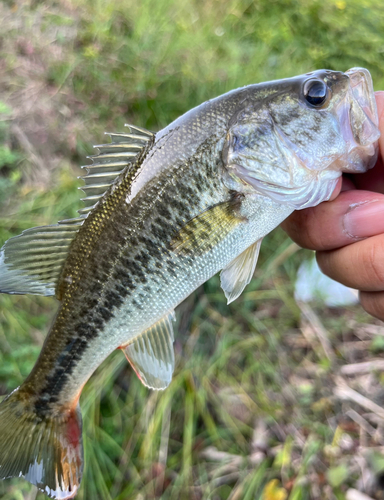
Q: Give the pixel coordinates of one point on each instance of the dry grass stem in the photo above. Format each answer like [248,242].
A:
[343,391]
[361,421]
[213,454]
[28,147]
[318,329]
[365,367]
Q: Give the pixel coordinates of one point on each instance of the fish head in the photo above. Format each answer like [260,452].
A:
[292,139]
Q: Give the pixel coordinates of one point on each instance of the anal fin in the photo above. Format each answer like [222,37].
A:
[151,354]
[238,273]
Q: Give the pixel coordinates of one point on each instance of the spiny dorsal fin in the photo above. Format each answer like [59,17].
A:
[151,354]
[238,273]
[205,230]
[110,161]
[32,261]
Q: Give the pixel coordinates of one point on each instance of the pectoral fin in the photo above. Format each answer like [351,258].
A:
[205,231]
[151,354]
[239,272]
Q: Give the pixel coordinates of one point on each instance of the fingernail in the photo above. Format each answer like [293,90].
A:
[364,219]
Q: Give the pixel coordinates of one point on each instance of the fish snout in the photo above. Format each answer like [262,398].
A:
[362,130]
[361,87]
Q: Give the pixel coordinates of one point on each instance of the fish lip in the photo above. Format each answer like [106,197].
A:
[361,85]
[359,120]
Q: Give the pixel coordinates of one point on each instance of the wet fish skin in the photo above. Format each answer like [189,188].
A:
[131,264]
[199,194]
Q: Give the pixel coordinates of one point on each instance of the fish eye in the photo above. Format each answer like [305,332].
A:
[315,92]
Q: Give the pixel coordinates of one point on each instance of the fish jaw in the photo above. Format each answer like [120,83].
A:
[359,123]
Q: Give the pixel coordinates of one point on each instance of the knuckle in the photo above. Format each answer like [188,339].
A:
[375,261]
[373,303]
[320,239]
[322,261]
[299,227]
[329,262]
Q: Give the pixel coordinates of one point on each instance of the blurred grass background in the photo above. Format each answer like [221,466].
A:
[255,408]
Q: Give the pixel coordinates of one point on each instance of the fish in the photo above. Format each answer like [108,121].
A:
[163,213]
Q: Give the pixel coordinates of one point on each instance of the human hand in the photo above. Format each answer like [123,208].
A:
[348,231]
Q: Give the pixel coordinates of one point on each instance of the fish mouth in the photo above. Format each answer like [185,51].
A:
[361,85]
[360,127]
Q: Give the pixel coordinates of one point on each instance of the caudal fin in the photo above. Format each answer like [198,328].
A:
[46,451]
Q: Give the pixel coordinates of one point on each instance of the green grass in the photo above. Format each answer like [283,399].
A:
[72,70]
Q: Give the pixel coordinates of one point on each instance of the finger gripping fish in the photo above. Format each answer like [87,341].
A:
[163,213]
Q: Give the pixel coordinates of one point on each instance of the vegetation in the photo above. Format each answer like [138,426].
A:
[259,407]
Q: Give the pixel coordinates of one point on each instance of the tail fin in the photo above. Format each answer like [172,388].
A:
[46,451]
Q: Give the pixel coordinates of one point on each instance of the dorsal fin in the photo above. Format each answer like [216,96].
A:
[110,161]
[32,262]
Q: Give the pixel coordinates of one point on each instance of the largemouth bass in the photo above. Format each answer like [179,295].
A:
[165,212]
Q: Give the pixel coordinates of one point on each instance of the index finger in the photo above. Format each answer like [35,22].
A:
[352,216]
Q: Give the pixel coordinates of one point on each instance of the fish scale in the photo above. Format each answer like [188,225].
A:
[165,212]
[127,269]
